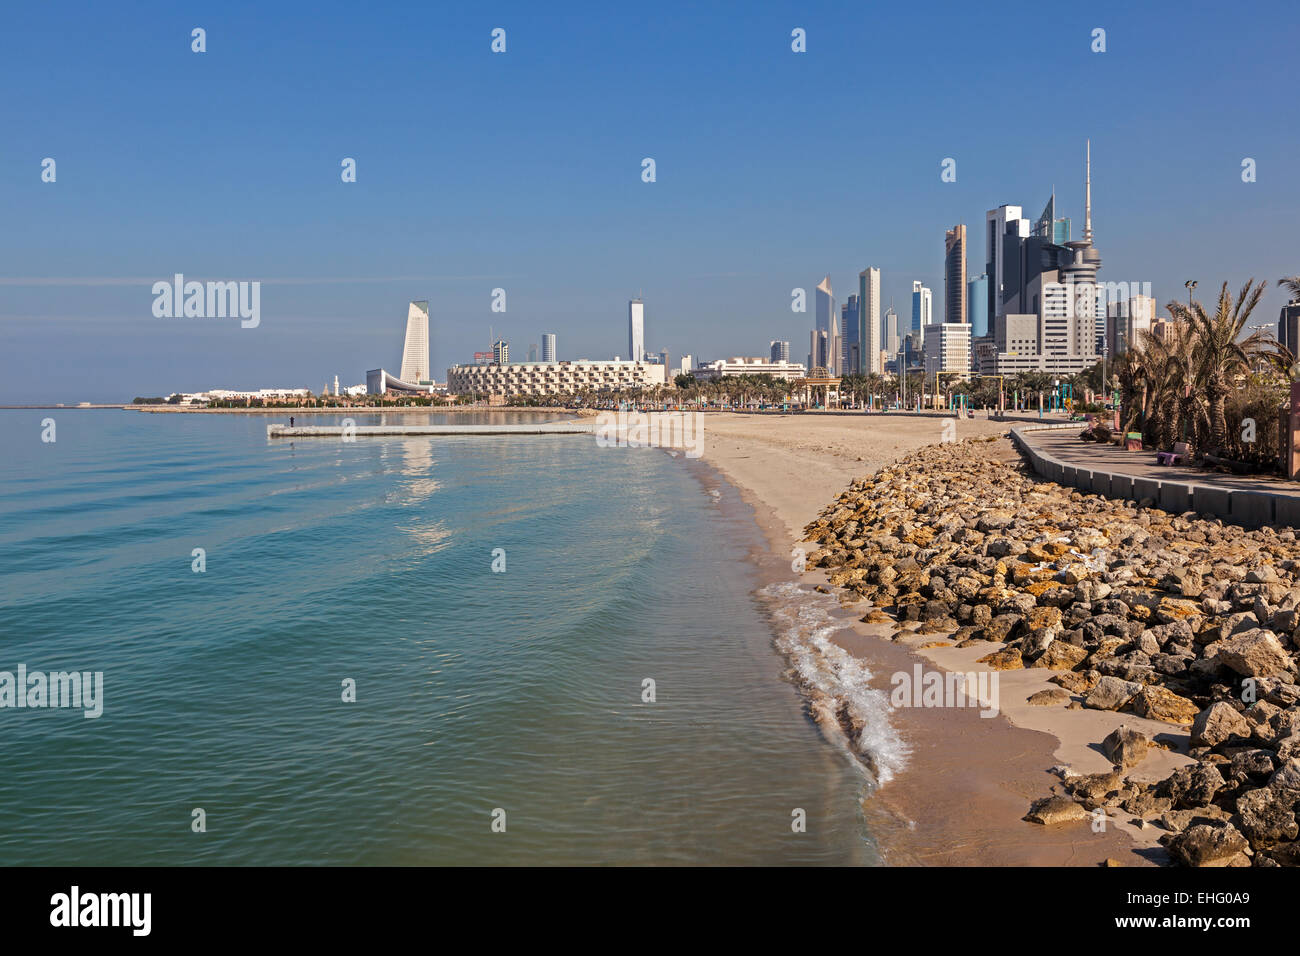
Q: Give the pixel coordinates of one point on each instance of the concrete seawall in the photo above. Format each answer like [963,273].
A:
[363,431]
[1242,503]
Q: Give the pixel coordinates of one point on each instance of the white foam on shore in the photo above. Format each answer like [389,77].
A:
[850,713]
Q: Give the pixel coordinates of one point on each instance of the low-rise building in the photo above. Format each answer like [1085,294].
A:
[948,348]
[740,365]
[226,394]
[552,378]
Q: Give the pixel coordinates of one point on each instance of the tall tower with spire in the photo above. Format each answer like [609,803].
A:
[1087,192]
[1089,305]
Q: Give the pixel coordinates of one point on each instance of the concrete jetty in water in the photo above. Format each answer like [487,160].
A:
[362,431]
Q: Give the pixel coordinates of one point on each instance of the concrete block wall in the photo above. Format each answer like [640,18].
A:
[1251,509]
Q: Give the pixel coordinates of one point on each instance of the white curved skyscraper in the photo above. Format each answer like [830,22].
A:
[415,353]
[826,332]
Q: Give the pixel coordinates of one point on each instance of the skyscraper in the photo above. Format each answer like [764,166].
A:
[869,333]
[1288,326]
[1045,310]
[828,324]
[1005,226]
[954,274]
[977,305]
[415,352]
[1079,272]
[1049,227]
[636,330]
[780,351]
[548,347]
[532,352]
[1125,323]
[500,352]
[921,310]
[819,351]
[850,347]
[893,337]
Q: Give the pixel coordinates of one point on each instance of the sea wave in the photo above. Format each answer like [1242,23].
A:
[850,713]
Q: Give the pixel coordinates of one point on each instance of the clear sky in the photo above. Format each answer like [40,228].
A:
[522,170]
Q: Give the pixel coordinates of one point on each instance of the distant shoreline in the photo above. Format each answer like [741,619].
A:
[352,410]
[295,410]
[64,406]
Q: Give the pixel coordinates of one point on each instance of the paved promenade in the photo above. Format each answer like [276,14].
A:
[1250,500]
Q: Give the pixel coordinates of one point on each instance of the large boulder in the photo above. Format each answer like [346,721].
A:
[1002,627]
[1267,816]
[1177,609]
[1125,747]
[1049,698]
[1051,811]
[994,520]
[1145,803]
[1193,786]
[1061,656]
[1078,683]
[1092,789]
[1218,723]
[1253,764]
[1111,693]
[1208,845]
[1007,659]
[1287,776]
[1044,626]
[1158,703]
[1254,653]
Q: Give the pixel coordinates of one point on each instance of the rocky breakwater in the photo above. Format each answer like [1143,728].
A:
[1171,617]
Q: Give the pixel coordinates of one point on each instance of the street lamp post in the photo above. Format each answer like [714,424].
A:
[1105,354]
[1190,285]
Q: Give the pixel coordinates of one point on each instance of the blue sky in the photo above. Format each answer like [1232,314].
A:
[522,170]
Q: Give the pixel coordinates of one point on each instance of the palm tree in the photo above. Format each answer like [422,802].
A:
[1220,358]
[1130,372]
[1292,286]
[1185,409]
[797,387]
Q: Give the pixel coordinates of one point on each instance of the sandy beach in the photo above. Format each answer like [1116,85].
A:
[969,780]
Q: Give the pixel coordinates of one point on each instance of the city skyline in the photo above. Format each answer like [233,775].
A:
[719,243]
[850,341]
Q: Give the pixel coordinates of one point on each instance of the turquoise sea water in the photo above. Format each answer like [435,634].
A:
[372,561]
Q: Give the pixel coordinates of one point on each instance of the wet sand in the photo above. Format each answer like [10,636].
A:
[970,779]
